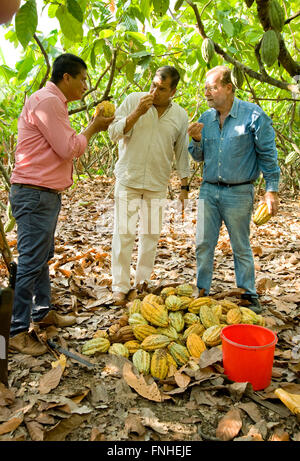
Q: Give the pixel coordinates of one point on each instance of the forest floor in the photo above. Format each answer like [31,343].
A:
[110,402]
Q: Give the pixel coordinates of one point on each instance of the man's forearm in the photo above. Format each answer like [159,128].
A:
[131,121]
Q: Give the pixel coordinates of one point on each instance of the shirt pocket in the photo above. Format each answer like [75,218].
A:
[240,144]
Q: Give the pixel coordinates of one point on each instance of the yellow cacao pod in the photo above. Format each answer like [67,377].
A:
[185,301]
[134,307]
[108,109]
[137,319]
[141,360]
[167,291]
[190,318]
[260,320]
[171,361]
[196,328]
[155,313]
[118,349]
[151,297]
[101,334]
[227,305]
[195,305]
[132,346]
[207,317]
[156,341]
[248,316]
[173,303]
[179,353]
[195,345]
[217,310]
[177,321]
[159,364]
[234,316]
[95,345]
[142,331]
[211,336]
[184,290]
[261,215]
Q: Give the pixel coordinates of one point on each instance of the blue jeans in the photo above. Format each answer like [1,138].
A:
[233,206]
[36,213]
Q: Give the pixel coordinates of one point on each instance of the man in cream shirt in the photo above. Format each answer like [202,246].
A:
[151,131]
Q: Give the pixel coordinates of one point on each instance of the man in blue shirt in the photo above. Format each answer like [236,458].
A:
[236,142]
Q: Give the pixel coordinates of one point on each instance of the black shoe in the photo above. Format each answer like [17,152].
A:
[255,304]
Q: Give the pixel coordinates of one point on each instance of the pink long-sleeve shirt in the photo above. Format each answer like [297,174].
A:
[46,143]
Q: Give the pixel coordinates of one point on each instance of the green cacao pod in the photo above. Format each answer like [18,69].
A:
[169,331]
[207,49]
[95,345]
[237,77]
[184,290]
[141,360]
[269,49]
[137,319]
[173,303]
[207,317]
[119,349]
[276,15]
[156,341]
[179,353]
[177,321]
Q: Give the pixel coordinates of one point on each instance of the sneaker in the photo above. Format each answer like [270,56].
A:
[26,344]
[53,318]
[254,305]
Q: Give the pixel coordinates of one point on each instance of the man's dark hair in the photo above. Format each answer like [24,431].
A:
[169,71]
[66,63]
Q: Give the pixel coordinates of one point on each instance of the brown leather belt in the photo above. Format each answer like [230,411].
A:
[31,186]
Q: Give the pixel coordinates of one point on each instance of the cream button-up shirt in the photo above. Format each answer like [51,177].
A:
[147,151]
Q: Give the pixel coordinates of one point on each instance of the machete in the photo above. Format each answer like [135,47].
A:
[73,356]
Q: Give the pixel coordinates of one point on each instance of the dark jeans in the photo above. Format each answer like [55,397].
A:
[36,213]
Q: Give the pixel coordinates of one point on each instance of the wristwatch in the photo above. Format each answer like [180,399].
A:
[185,188]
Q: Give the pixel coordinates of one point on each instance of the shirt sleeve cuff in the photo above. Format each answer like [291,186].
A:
[272,186]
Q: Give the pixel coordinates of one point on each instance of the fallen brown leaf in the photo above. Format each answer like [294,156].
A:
[229,426]
[50,380]
[11,425]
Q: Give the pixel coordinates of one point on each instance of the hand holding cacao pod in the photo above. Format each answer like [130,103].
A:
[261,215]
[103,116]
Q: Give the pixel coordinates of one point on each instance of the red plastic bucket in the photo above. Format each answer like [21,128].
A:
[248,354]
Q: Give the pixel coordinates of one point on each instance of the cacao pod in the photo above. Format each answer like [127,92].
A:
[227,305]
[190,318]
[142,331]
[132,346]
[211,336]
[195,305]
[155,313]
[156,341]
[260,320]
[179,353]
[168,331]
[207,317]
[177,320]
[141,360]
[269,49]
[101,334]
[95,345]
[159,364]
[185,301]
[261,215]
[173,303]
[237,77]
[233,317]
[167,291]
[151,297]
[248,316]
[196,328]
[137,319]
[195,345]
[276,15]
[217,310]
[119,349]
[108,109]
[184,290]
[123,334]
[134,307]
[207,49]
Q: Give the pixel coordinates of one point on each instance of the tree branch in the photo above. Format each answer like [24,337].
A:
[252,73]
[46,59]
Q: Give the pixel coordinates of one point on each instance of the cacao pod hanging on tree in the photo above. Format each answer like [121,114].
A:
[269,49]
[237,77]
[276,15]
[207,50]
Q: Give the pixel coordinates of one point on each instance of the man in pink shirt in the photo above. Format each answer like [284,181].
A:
[46,147]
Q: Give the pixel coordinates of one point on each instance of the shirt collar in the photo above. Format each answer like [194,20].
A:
[55,90]
[233,111]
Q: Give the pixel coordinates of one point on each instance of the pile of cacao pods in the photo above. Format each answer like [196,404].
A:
[160,333]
